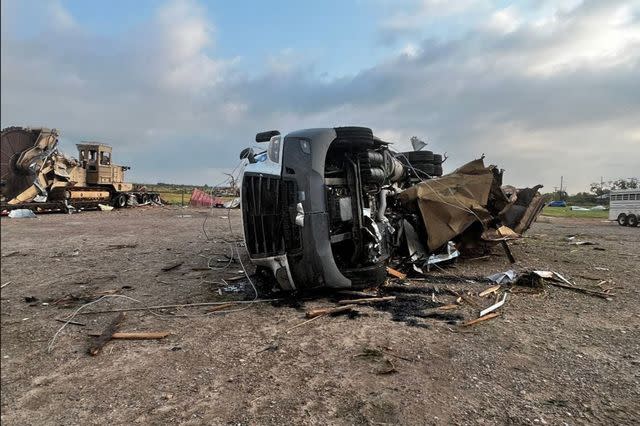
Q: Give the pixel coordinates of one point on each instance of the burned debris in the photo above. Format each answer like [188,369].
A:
[333,207]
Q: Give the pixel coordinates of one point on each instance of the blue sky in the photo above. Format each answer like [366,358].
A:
[189,82]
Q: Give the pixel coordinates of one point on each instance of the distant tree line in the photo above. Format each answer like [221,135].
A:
[598,192]
[603,188]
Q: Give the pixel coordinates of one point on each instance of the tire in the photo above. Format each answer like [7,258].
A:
[622,219]
[437,159]
[144,198]
[632,220]
[417,156]
[369,276]
[120,201]
[354,132]
[437,171]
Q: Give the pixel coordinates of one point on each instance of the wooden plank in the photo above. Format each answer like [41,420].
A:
[138,335]
[326,311]
[367,300]
[481,319]
[396,274]
[489,290]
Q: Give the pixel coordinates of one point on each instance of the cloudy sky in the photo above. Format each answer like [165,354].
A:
[543,88]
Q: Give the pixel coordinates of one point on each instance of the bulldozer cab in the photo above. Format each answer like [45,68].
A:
[95,158]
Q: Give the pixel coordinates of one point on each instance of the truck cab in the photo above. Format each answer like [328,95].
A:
[95,158]
[313,207]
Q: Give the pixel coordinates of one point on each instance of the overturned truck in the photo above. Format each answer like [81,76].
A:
[329,207]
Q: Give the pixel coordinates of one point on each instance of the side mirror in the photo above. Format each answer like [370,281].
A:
[266,136]
[248,154]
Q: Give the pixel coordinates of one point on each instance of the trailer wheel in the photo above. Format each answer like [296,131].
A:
[622,219]
[632,220]
[120,201]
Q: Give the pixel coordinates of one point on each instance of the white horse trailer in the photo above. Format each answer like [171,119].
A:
[624,206]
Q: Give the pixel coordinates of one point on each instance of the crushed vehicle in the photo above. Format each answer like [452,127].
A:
[37,176]
[330,207]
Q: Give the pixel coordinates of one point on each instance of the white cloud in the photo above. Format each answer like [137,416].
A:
[61,17]
[185,37]
[505,20]
[411,50]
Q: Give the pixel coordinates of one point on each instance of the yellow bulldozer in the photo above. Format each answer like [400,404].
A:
[37,176]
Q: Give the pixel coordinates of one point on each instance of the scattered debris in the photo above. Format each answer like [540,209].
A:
[503,277]
[236,278]
[6,284]
[71,322]
[184,305]
[377,355]
[448,307]
[303,323]
[602,295]
[138,335]
[106,335]
[367,300]
[22,214]
[14,253]
[553,278]
[172,266]
[396,274]
[221,307]
[326,311]
[494,306]
[489,290]
[481,319]
[122,246]
[105,207]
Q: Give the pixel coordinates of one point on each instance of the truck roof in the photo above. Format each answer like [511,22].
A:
[94,145]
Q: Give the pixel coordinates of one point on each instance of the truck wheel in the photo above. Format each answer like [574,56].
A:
[369,276]
[120,201]
[622,219]
[437,159]
[632,220]
[417,156]
[144,199]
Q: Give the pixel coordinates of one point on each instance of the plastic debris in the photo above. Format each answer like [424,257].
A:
[22,214]
[505,277]
[105,207]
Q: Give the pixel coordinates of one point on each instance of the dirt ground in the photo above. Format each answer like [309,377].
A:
[553,357]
